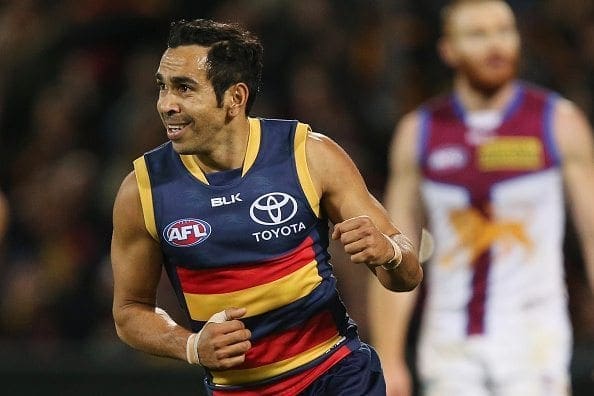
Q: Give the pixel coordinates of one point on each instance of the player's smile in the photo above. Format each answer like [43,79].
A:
[175,130]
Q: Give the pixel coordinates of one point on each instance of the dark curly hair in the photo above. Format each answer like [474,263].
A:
[234,55]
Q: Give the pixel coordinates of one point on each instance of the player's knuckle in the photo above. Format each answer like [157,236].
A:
[225,364]
[220,355]
[217,344]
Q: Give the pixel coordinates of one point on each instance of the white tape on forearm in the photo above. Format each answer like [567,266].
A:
[395,261]
[192,341]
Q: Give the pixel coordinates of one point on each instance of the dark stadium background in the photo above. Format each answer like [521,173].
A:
[77,97]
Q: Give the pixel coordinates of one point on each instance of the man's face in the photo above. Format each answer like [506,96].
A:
[483,44]
[187,102]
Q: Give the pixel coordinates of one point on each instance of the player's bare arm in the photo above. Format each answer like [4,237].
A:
[390,313]
[136,261]
[574,139]
[360,221]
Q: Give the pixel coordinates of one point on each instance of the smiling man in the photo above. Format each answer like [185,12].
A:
[236,210]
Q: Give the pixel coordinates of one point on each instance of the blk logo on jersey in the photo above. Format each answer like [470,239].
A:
[186,232]
[220,201]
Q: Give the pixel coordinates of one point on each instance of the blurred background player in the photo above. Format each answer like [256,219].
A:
[492,163]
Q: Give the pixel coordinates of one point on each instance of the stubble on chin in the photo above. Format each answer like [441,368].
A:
[489,83]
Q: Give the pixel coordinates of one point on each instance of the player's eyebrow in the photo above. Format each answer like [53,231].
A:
[177,80]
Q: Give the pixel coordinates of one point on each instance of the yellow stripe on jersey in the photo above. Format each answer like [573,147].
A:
[146,196]
[251,153]
[234,377]
[192,166]
[253,145]
[307,184]
[257,299]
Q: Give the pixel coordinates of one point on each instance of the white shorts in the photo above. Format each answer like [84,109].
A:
[519,355]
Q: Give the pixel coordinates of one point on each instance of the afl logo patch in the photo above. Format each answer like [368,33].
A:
[186,232]
[273,208]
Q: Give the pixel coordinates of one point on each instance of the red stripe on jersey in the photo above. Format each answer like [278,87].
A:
[478,299]
[234,278]
[279,346]
[293,385]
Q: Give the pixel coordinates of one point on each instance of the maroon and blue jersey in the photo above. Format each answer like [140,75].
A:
[494,199]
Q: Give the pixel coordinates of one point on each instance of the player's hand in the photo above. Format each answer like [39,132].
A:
[363,241]
[224,345]
[398,380]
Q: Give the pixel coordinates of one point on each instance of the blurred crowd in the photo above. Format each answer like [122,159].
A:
[77,105]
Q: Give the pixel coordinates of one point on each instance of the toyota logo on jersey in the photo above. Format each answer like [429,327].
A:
[186,232]
[273,208]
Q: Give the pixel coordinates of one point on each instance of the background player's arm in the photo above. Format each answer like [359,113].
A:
[390,313]
[359,219]
[574,139]
[137,261]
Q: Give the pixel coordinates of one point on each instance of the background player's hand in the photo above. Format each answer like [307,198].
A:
[363,241]
[224,345]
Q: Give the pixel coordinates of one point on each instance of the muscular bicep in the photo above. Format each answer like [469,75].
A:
[343,191]
[135,255]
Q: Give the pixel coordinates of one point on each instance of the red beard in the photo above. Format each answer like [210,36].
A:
[490,73]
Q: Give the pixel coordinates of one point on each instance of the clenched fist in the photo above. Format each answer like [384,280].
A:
[363,241]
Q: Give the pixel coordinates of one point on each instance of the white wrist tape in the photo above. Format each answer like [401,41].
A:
[192,341]
[396,259]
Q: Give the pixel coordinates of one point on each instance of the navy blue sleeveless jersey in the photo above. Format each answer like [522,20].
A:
[258,242]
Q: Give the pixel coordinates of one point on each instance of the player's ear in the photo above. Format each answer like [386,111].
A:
[238,96]
[446,51]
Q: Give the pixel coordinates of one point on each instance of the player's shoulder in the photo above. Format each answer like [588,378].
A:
[567,110]
[572,129]
[409,127]
[128,192]
[441,102]
[321,146]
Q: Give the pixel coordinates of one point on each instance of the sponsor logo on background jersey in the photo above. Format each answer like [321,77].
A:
[448,158]
[511,153]
[186,232]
